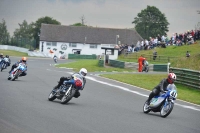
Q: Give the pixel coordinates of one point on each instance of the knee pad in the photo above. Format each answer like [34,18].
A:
[155,92]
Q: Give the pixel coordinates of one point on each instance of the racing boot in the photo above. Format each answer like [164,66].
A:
[151,95]
[57,86]
[77,94]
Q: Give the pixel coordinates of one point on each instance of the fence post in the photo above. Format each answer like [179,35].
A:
[168,64]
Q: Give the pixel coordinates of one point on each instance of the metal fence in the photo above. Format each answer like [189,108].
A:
[158,58]
[187,77]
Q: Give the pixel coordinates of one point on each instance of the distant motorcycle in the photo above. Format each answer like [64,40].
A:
[67,90]
[4,63]
[55,59]
[145,66]
[162,103]
[17,71]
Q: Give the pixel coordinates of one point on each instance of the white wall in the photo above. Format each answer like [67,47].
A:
[8,47]
[24,50]
[85,49]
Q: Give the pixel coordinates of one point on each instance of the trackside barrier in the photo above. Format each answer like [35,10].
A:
[134,66]
[187,77]
[78,56]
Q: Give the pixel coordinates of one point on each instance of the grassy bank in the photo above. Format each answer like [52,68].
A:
[91,65]
[193,62]
[12,53]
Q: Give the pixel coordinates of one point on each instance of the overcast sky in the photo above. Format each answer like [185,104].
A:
[181,14]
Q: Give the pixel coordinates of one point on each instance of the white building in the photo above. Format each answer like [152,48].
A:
[64,40]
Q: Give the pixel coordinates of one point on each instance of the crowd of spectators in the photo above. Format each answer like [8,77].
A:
[177,39]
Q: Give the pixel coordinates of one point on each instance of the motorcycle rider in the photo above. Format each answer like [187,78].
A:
[1,58]
[55,58]
[144,64]
[82,73]
[161,87]
[7,60]
[24,61]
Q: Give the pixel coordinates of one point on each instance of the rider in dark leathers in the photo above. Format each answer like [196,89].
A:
[161,87]
[82,73]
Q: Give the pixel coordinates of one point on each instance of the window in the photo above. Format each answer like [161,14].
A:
[48,43]
[51,43]
[72,44]
[54,43]
[93,45]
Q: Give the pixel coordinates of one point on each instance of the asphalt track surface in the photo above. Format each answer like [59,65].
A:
[105,106]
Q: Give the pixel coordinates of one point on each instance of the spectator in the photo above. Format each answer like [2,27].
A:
[187,54]
[142,45]
[154,55]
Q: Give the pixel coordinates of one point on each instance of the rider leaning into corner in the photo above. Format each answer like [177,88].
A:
[162,86]
[23,60]
[82,73]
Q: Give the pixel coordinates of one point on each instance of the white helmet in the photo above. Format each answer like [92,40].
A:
[83,72]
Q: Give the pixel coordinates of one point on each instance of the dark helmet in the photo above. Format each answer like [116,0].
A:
[7,56]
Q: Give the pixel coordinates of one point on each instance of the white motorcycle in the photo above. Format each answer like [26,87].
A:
[17,71]
[55,59]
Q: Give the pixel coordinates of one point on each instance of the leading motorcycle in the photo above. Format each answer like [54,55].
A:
[67,90]
[162,103]
[17,71]
[55,59]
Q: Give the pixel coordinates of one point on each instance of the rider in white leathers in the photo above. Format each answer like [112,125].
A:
[82,73]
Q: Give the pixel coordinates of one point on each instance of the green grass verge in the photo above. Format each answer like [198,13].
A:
[91,66]
[12,53]
[151,80]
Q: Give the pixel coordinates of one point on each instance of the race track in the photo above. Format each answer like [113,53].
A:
[105,106]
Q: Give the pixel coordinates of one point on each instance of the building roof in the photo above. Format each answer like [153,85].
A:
[90,35]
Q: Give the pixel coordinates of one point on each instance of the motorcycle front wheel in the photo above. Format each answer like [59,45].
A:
[166,110]
[146,108]
[2,66]
[52,96]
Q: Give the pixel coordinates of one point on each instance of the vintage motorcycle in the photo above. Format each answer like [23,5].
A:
[67,90]
[55,59]
[162,103]
[145,66]
[4,63]
[17,71]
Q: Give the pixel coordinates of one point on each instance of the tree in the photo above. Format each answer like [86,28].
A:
[37,26]
[151,22]
[4,35]
[23,35]
[24,31]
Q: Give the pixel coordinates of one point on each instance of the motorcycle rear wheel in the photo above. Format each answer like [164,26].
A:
[165,111]
[67,97]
